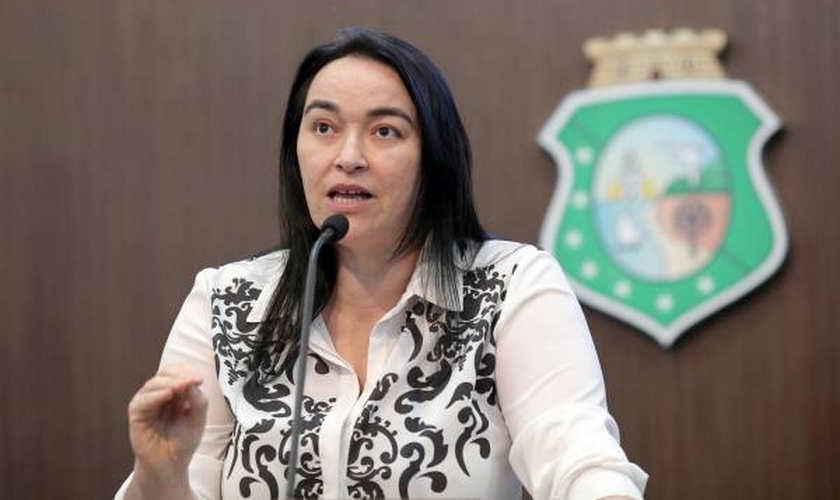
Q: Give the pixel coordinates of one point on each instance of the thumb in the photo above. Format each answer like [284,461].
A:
[195,405]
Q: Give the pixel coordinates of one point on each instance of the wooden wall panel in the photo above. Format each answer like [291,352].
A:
[138,143]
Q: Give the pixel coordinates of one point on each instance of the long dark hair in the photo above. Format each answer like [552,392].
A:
[443,219]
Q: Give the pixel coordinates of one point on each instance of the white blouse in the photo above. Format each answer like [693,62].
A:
[461,400]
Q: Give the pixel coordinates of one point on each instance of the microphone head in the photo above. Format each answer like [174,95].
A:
[338,224]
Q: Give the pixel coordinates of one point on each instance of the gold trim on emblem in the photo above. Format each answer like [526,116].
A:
[683,54]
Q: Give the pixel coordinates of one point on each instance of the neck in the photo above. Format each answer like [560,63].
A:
[369,284]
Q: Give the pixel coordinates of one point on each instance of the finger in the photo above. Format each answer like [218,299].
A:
[178,372]
[178,384]
[181,370]
[184,406]
[149,404]
[195,404]
[196,397]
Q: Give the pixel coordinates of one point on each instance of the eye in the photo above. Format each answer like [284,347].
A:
[322,128]
[385,132]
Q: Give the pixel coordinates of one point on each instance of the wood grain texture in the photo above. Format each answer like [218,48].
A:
[138,143]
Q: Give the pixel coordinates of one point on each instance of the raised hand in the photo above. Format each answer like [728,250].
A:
[166,420]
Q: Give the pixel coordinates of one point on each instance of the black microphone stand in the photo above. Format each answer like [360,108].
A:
[333,229]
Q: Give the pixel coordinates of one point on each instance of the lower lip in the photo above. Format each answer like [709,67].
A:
[347,204]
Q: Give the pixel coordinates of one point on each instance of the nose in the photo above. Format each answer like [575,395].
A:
[351,156]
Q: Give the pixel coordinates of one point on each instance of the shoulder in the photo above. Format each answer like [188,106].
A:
[525,265]
[258,270]
[242,288]
[503,253]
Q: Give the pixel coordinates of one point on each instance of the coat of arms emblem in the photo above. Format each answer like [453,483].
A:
[662,214]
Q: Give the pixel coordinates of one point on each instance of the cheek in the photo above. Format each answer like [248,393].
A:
[305,179]
[309,185]
[308,165]
[304,157]
[407,183]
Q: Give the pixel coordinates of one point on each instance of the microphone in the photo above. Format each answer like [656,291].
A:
[336,226]
[333,229]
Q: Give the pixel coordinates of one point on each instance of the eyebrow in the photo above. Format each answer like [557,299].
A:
[391,111]
[374,113]
[320,104]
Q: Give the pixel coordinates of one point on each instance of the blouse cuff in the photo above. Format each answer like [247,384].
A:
[599,483]
[205,478]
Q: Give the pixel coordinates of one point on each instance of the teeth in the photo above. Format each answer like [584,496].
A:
[350,193]
[346,198]
[349,196]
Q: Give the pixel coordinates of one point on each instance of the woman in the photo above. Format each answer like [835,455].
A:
[441,365]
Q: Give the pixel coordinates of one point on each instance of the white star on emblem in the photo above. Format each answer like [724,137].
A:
[589,269]
[580,200]
[705,285]
[573,239]
[583,155]
[622,289]
[665,302]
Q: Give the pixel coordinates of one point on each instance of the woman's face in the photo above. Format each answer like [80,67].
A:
[359,151]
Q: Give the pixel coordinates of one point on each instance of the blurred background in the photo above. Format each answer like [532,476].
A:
[138,143]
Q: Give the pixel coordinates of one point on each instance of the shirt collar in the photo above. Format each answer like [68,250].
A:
[421,284]
[271,272]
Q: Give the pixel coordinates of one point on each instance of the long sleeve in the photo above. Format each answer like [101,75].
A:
[565,444]
[190,341]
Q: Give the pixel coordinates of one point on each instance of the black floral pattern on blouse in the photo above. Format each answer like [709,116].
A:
[395,450]
[462,340]
[256,449]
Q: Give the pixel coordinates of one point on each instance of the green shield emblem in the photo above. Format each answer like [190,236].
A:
[662,214]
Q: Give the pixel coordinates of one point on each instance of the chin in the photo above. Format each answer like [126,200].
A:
[362,241]
[350,239]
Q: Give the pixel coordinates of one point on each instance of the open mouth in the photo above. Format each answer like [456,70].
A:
[349,195]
